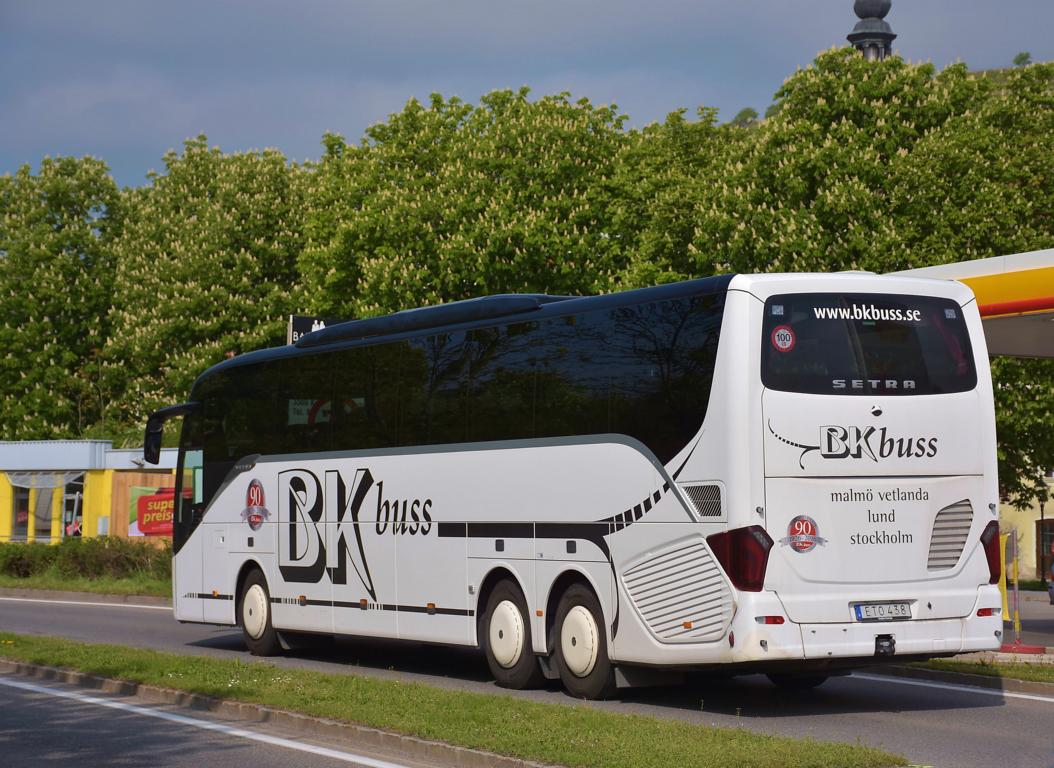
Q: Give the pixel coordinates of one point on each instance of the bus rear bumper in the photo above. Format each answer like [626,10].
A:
[902,638]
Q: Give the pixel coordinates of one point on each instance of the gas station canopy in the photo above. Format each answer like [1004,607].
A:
[1015,295]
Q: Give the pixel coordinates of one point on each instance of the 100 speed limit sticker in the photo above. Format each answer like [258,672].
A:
[783,338]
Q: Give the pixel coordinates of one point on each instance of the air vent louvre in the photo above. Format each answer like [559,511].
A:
[951,528]
[705,498]
[681,594]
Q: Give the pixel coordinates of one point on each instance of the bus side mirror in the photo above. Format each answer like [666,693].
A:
[152,441]
[155,429]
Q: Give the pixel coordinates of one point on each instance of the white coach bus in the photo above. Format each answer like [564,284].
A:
[789,474]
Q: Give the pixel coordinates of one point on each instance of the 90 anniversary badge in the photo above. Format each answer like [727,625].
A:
[803,534]
[255,513]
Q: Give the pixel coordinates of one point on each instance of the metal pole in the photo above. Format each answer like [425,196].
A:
[1042,549]
[1017,614]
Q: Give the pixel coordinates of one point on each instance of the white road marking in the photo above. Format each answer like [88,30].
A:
[79,602]
[204,725]
[953,687]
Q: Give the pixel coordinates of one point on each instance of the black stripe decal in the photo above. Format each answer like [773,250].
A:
[452,530]
[500,530]
[210,596]
[374,606]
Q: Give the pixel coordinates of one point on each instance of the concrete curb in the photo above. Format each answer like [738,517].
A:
[962,678]
[87,597]
[392,746]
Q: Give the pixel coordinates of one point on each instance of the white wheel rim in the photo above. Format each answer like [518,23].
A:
[254,611]
[506,634]
[579,641]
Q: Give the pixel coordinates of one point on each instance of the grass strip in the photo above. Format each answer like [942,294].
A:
[1035,673]
[103,585]
[570,735]
[1027,585]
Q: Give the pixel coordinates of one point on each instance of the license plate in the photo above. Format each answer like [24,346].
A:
[882,611]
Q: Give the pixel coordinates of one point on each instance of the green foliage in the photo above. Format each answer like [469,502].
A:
[56,278]
[662,174]
[87,558]
[449,201]
[206,266]
[1024,408]
[744,118]
[814,190]
[1023,59]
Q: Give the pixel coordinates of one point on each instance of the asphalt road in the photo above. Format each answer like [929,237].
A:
[930,723]
[43,724]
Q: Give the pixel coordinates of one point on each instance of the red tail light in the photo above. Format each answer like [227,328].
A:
[744,554]
[990,542]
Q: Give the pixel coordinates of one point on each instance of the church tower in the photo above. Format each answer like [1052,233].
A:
[872,35]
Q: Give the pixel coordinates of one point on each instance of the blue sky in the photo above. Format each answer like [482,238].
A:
[126,80]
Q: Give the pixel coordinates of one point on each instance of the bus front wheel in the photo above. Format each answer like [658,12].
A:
[581,646]
[254,615]
[506,638]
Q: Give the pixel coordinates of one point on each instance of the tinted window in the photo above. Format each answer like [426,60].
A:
[865,344]
[643,370]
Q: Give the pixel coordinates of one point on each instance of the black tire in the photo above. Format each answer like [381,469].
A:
[797,682]
[260,636]
[517,671]
[595,680]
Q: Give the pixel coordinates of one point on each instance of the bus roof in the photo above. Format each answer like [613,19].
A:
[466,315]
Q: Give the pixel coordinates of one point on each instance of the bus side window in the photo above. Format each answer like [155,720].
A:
[360,418]
[305,402]
[501,384]
[434,380]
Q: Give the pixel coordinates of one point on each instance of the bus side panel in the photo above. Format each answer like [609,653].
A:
[675,603]
[727,449]
[186,579]
[218,605]
[354,584]
[301,595]
[433,598]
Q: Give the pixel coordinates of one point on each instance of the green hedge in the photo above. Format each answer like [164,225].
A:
[87,558]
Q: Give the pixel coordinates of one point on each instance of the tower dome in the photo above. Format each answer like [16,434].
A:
[872,9]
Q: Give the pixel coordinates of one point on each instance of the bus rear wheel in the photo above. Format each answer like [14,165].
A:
[581,655]
[797,682]
[506,638]
[254,616]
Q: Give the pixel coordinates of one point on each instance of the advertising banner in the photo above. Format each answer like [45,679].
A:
[151,511]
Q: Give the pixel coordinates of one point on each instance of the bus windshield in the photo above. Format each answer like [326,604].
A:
[865,344]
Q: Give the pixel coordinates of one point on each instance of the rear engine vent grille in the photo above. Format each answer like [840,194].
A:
[705,498]
[681,594]
[950,531]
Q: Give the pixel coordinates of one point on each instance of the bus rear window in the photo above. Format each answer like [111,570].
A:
[865,344]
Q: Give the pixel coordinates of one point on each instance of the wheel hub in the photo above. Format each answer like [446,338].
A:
[579,641]
[254,611]
[506,634]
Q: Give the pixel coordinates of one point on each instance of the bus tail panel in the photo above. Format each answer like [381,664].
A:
[845,542]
